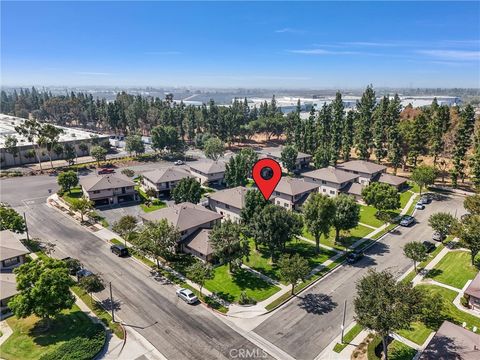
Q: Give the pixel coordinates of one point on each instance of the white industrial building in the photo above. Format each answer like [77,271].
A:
[69,136]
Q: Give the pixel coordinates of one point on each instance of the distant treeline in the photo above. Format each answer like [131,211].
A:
[382,130]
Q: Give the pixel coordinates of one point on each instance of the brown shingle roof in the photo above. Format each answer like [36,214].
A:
[10,246]
[331,174]
[234,197]
[474,288]
[276,152]
[105,182]
[391,179]
[166,175]
[8,285]
[293,186]
[199,242]
[452,342]
[208,166]
[362,166]
[353,189]
[184,215]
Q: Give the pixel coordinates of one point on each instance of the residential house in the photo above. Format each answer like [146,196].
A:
[366,170]
[473,292]
[209,171]
[452,342]
[331,180]
[188,218]
[108,189]
[229,202]
[275,153]
[163,180]
[12,252]
[291,193]
[399,182]
[8,286]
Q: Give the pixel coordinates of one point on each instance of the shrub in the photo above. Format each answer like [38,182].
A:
[464,300]
[80,348]
[245,299]
[128,172]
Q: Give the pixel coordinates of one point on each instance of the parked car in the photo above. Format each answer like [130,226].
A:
[106,171]
[187,295]
[83,273]
[419,206]
[429,246]
[425,199]
[354,256]
[178,162]
[438,237]
[119,250]
[407,220]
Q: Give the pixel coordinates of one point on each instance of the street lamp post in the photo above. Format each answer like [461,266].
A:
[26,226]
[343,321]
[111,303]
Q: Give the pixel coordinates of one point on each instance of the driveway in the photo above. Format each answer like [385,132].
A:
[306,325]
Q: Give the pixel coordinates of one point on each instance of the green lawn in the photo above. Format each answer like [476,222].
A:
[420,331]
[260,260]
[346,239]
[155,204]
[367,216]
[76,193]
[229,286]
[454,269]
[404,197]
[30,341]
[422,265]
[348,337]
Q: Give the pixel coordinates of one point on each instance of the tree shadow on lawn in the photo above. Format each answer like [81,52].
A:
[62,328]
[433,273]
[307,251]
[317,304]
[225,296]
[244,279]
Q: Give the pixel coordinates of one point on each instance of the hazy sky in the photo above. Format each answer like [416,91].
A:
[249,44]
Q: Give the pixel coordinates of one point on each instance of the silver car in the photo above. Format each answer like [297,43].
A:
[187,295]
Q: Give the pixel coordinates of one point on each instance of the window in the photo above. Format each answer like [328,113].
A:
[332,192]
[277,193]
[324,190]
[286,205]
[11,262]
[278,202]
[227,206]
[324,182]
[96,191]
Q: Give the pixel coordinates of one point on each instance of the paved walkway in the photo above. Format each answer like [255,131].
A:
[419,277]
[6,331]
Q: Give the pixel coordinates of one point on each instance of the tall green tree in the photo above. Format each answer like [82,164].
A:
[11,147]
[44,289]
[364,123]
[214,148]
[98,153]
[125,227]
[165,138]
[380,124]
[200,272]
[472,204]
[319,212]
[31,130]
[289,157]
[83,206]
[469,233]
[49,136]
[462,142]
[347,214]
[384,305]
[394,138]
[254,204]
[424,176]
[443,223]
[293,268]
[415,251]
[475,160]
[92,284]
[274,226]
[227,243]
[337,128]
[11,220]
[134,144]
[67,179]
[158,240]
[187,190]
[348,134]
[382,196]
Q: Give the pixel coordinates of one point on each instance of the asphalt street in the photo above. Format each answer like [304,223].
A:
[148,305]
[306,325]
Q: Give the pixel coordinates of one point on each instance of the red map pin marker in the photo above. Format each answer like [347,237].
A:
[266,174]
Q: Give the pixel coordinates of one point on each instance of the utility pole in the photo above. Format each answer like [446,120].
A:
[343,321]
[111,303]
[26,227]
